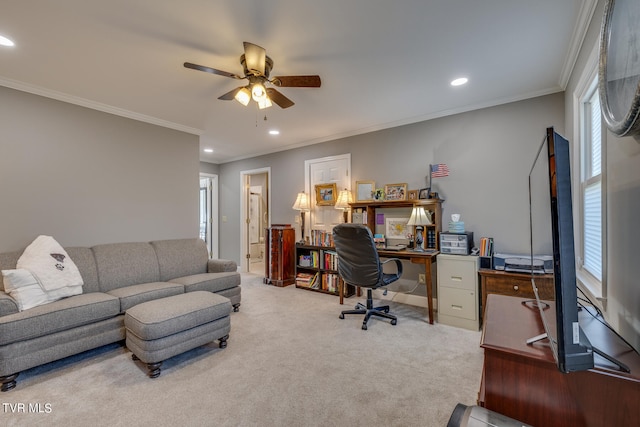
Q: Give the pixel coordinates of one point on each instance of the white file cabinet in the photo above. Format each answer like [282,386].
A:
[458,291]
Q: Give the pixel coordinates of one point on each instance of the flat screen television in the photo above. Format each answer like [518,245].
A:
[551,231]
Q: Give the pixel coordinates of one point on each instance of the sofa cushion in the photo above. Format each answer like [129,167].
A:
[136,294]
[181,257]
[23,287]
[212,282]
[58,316]
[86,263]
[8,261]
[124,264]
[7,304]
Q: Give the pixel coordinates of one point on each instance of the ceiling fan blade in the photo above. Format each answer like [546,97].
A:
[255,57]
[211,70]
[279,98]
[296,81]
[230,95]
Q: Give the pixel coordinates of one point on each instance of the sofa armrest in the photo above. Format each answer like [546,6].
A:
[7,304]
[221,265]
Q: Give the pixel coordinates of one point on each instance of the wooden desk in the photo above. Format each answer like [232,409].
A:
[522,381]
[426,258]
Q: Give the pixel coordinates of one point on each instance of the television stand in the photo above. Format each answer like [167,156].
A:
[523,382]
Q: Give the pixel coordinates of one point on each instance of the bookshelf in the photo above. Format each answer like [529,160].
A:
[317,270]
[365,213]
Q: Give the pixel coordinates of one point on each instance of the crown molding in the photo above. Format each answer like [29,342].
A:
[585,15]
[59,96]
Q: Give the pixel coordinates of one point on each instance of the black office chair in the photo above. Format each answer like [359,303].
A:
[359,265]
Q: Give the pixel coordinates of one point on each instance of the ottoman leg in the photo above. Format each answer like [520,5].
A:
[154,369]
[9,381]
[236,307]
[223,341]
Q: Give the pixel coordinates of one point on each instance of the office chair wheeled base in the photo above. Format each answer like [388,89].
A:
[369,310]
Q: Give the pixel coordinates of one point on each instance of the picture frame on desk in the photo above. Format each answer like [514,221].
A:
[326,194]
[364,190]
[395,191]
[424,193]
[412,194]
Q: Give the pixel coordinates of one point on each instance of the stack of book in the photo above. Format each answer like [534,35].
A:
[306,280]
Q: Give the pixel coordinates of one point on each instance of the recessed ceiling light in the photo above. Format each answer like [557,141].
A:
[208,150]
[6,42]
[459,82]
[274,132]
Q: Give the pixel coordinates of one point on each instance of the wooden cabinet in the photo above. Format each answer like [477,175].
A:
[430,232]
[515,285]
[523,382]
[317,270]
[458,297]
[280,255]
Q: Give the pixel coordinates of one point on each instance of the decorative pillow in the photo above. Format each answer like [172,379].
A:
[50,264]
[23,287]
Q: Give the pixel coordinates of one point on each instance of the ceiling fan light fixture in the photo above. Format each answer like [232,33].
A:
[258,92]
[243,96]
[264,103]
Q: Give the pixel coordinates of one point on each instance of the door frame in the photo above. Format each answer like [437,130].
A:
[245,177]
[214,236]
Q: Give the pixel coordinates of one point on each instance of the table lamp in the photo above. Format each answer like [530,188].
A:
[344,198]
[418,219]
[302,205]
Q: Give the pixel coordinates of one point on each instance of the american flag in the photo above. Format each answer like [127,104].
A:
[439,170]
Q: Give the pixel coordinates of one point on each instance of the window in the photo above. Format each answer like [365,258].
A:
[591,258]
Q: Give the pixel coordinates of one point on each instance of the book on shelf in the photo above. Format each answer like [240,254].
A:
[330,282]
[321,238]
[306,280]
[486,246]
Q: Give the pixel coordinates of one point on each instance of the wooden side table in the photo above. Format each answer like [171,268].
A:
[514,284]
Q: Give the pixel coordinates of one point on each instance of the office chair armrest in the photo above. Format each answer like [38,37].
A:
[398,265]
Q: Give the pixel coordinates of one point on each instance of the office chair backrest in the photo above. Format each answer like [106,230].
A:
[358,261]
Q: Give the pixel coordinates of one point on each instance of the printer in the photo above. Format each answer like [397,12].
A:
[523,263]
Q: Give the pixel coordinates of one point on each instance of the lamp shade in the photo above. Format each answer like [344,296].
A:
[243,96]
[302,202]
[418,217]
[344,198]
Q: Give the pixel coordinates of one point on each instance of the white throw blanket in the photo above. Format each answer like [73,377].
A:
[50,265]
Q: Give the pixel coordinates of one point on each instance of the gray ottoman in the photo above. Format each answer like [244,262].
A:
[166,327]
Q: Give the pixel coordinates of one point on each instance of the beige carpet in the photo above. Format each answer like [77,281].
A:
[290,362]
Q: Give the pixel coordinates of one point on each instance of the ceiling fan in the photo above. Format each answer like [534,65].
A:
[257,66]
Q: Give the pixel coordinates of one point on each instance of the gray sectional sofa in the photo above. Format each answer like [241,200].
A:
[116,277]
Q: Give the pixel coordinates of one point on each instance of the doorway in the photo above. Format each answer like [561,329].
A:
[256,217]
[208,198]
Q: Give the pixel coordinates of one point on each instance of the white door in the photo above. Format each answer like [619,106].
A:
[327,170]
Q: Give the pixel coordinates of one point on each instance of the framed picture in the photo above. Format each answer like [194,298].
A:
[326,194]
[424,193]
[395,191]
[412,194]
[364,190]
[397,228]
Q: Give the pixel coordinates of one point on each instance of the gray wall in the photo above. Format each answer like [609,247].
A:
[623,209]
[87,177]
[488,151]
